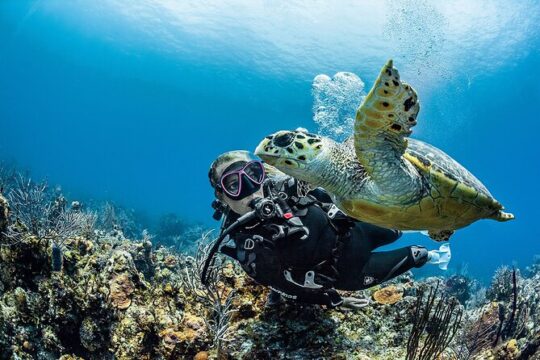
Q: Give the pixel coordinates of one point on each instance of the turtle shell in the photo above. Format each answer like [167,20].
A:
[450,180]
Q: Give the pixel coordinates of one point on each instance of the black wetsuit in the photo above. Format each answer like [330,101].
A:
[342,249]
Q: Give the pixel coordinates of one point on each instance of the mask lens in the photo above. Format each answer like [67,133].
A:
[242,179]
[231,183]
[255,171]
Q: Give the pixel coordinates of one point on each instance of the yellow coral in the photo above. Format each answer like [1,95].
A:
[512,345]
[170,338]
[201,355]
[388,295]
[168,288]
[510,350]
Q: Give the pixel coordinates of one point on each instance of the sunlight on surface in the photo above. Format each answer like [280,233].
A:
[431,39]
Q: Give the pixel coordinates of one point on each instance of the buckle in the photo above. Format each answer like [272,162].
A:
[333,211]
[309,280]
[278,231]
[249,244]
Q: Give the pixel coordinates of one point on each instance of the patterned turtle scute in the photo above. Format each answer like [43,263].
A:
[444,163]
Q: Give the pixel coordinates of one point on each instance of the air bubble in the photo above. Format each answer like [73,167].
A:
[335,101]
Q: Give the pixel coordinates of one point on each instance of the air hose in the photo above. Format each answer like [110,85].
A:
[240,221]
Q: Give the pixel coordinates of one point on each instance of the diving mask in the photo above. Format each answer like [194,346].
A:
[241,179]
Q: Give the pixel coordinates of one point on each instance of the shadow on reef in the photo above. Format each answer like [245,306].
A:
[73,289]
[275,335]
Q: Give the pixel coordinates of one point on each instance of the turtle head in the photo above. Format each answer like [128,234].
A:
[292,152]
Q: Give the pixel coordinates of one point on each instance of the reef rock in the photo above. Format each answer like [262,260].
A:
[121,299]
[121,289]
[388,295]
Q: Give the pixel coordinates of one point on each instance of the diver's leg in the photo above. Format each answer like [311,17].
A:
[385,265]
[379,236]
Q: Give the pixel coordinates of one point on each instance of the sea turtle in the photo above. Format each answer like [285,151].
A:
[381,176]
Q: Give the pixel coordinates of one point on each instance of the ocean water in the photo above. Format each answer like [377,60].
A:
[132,100]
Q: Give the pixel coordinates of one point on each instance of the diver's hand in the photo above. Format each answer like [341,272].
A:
[354,303]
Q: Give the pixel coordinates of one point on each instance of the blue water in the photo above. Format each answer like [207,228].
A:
[132,100]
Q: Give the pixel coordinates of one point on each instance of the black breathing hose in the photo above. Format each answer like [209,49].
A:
[240,221]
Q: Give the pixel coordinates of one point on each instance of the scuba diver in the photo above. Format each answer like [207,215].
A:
[297,242]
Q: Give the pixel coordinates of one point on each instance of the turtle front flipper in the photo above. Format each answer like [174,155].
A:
[383,121]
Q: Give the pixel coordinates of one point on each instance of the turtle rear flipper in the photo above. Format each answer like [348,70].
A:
[502,216]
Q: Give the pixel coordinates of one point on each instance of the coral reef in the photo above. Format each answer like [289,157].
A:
[501,285]
[121,299]
[506,327]
[117,219]
[459,286]
[4,213]
[100,306]
[74,288]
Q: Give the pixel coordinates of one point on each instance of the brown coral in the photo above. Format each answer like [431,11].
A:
[121,288]
[388,295]
[177,339]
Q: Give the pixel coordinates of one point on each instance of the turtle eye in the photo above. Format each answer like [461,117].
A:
[283,140]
